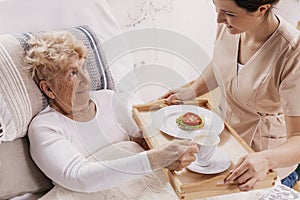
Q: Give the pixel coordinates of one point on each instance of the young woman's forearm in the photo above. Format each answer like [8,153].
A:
[285,155]
[206,82]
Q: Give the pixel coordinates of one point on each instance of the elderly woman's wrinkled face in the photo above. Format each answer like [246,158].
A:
[71,87]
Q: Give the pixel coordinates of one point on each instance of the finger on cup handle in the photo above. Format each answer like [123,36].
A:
[190,149]
[194,149]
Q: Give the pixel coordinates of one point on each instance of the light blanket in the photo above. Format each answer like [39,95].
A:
[154,186]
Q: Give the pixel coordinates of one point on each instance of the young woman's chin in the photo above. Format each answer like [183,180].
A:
[233,30]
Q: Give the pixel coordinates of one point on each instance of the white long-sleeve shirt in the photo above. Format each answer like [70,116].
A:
[60,146]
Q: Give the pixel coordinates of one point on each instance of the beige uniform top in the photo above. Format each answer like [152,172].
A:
[264,90]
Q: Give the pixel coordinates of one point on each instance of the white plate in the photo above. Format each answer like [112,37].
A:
[165,120]
[219,163]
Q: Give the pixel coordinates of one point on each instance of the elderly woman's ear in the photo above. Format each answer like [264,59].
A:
[45,87]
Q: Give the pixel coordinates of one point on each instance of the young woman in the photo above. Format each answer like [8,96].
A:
[256,63]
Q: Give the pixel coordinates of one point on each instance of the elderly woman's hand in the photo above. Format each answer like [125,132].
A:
[248,171]
[174,155]
[185,160]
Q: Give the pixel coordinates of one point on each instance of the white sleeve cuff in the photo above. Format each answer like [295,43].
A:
[145,162]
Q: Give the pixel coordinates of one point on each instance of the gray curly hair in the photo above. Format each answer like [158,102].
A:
[51,52]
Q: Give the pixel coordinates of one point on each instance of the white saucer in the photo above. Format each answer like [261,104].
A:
[219,163]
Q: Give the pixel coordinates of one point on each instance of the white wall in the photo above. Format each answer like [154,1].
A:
[195,20]
[290,10]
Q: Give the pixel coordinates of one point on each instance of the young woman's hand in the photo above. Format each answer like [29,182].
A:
[248,171]
[174,155]
[186,93]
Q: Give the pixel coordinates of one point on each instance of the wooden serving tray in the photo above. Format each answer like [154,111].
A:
[188,184]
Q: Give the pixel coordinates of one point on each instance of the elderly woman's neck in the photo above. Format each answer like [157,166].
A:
[82,115]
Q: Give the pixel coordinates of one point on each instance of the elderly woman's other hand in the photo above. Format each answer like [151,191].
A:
[174,155]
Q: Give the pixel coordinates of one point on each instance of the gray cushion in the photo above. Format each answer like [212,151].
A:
[96,62]
[18,173]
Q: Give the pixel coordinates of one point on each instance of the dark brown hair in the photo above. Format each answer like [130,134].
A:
[253,5]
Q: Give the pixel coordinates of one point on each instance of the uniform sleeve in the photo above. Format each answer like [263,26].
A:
[290,86]
[66,166]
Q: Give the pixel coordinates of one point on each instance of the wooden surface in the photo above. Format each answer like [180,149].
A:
[187,184]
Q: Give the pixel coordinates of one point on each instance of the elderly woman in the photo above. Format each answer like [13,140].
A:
[78,123]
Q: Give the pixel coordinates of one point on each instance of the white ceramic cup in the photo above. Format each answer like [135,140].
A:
[207,144]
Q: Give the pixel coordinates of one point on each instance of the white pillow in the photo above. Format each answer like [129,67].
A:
[20,98]
[6,119]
